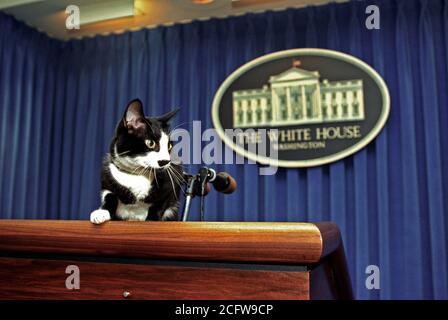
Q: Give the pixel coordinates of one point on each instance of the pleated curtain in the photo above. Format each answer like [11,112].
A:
[60,102]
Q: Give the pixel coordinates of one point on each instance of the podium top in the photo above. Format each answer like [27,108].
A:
[245,242]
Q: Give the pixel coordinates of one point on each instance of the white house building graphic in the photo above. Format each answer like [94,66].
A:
[296,96]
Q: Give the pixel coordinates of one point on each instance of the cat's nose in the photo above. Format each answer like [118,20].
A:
[163,162]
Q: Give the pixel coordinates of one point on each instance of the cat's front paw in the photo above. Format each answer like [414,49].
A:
[99,216]
[169,215]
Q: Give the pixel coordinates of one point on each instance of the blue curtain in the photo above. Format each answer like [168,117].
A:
[60,101]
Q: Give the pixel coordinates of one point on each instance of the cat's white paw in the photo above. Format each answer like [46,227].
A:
[99,216]
[168,214]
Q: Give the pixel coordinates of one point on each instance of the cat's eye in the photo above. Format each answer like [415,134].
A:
[151,144]
[170,146]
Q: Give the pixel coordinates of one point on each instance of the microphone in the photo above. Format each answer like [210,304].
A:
[204,175]
[223,182]
[199,185]
[196,189]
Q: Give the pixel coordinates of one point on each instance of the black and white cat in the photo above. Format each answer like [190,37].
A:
[139,180]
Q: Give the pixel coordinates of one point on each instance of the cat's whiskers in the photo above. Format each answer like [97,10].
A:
[120,154]
[179,182]
[145,172]
[173,174]
[181,124]
[134,172]
[179,165]
[155,176]
[178,175]
[172,184]
[151,173]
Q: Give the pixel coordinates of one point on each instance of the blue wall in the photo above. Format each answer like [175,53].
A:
[59,102]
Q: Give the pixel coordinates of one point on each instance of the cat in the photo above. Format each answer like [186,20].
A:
[139,180]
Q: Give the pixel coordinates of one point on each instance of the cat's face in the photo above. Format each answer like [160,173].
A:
[141,142]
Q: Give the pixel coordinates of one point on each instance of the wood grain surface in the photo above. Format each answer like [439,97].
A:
[45,279]
[255,242]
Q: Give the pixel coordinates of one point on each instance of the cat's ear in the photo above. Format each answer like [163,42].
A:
[165,119]
[134,118]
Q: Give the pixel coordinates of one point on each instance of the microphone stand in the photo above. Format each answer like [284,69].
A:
[196,186]
[189,194]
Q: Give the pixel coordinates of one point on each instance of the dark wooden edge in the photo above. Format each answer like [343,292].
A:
[333,252]
[330,237]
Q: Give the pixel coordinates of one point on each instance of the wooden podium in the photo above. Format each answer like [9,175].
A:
[172,260]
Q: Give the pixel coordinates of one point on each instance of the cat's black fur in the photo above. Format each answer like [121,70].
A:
[130,142]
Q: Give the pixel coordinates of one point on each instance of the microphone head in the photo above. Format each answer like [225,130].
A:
[207,189]
[232,185]
[224,183]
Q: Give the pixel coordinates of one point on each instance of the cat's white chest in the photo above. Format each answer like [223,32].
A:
[138,185]
[132,212]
